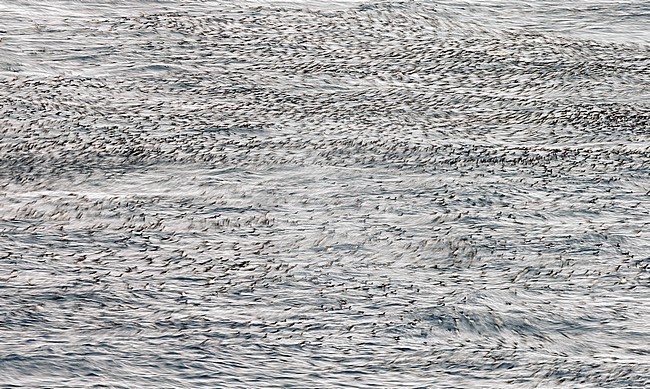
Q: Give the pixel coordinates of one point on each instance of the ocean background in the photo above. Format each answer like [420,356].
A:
[324,193]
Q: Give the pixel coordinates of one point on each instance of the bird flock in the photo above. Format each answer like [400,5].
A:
[370,194]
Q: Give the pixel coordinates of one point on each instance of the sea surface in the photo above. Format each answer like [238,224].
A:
[325,193]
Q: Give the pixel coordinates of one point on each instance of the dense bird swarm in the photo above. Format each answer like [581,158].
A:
[372,194]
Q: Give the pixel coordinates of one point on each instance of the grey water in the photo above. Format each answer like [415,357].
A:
[324,193]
